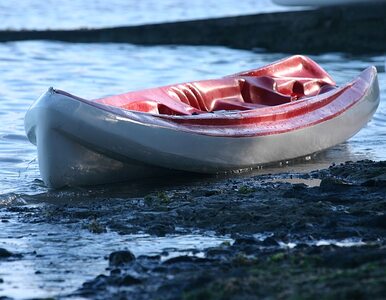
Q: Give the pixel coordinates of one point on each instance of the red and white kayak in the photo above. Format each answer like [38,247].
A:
[288,109]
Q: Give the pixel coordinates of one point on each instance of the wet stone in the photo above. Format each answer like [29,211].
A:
[375,182]
[210,193]
[377,221]
[150,257]
[185,259]
[245,241]
[217,252]
[160,229]
[115,272]
[351,257]
[118,258]
[302,246]
[333,184]
[269,242]
[98,283]
[129,280]
[4,253]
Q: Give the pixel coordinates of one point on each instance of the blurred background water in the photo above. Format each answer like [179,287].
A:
[94,70]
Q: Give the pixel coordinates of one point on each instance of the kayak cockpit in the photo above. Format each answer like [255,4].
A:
[273,85]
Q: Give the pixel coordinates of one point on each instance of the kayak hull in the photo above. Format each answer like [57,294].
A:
[80,143]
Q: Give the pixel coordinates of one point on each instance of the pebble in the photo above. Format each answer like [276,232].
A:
[118,258]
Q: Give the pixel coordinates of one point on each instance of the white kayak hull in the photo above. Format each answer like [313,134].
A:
[81,144]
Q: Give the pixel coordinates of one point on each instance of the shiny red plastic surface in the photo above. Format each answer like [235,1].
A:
[285,81]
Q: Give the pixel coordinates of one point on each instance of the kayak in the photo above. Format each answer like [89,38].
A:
[322,2]
[288,109]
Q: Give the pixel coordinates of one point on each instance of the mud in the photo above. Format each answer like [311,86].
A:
[290,240]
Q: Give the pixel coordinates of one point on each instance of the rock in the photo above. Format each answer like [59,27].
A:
[4,253]
[375,182]
[115,272]
[331,184]
[130,280]
[218,252]
[269,242]
[376,221]
[245,241]
[99,282]
[118,258]
[185,259]
[160,229]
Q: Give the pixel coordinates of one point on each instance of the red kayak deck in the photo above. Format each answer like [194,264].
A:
[299,94]
[282,82]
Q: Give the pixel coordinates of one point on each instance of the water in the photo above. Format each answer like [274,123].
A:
[95,70]
[53,262]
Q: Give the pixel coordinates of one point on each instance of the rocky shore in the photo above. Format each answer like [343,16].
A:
[300,236]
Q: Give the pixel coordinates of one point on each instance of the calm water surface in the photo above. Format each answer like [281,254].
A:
[94,70]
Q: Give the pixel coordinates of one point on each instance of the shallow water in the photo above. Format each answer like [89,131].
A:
[95,70]
[56,259]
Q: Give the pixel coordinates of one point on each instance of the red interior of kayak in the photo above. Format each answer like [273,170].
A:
[287,80]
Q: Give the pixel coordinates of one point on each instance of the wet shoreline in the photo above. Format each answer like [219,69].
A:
[323,236]
[356,29]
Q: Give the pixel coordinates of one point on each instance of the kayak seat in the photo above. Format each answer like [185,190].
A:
[213,95]
[263,90]
[275,91]
[230,93]
[190,95]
